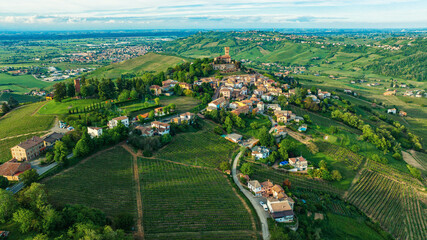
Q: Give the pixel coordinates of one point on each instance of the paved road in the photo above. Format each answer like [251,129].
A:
[263,215]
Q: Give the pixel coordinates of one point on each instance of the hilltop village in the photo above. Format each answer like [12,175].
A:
[269,145]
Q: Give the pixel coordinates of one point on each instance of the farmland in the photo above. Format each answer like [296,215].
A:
[201,148]
[350,158]
[190,203]
[24,120]
[103,181]
[21,84]
[395,206]
[299,182]
[151,62]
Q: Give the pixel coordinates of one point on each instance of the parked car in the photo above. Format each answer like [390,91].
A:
[265,208]
[261,203]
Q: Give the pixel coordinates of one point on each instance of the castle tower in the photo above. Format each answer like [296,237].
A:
[227,51]
[77,85]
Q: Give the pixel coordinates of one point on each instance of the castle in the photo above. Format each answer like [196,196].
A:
[226,58]
[224,63]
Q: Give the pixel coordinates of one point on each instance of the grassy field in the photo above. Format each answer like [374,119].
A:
[343,227]
[59,108]
[103,181]
[24,120]
[261,120]
[201,148]
[183,202]
[21,84]
[394,205]
[151,62]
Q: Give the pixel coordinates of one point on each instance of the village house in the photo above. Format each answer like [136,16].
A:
[274,107]
[279,131]
[169,84]
[299,163]
[145,131]
[188,117]
[390,93]
[115,121]
[160,127]
[51,138]
[284,116]
[143,116]
[261,106]
[159,111]
[323,94]
[402,114]
[13,168]
[225,92]
[260,152]
[234,137]
[94,131]
[255,187]
[267,97]
[241,110]
[185,85]
[280,211]
[347,91]
[29,149]
[156,90]
[217,104]
[392,111]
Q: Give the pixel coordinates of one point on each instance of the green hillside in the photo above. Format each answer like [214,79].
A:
[151,62]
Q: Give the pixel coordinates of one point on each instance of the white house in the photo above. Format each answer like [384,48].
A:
[94,131]
[255,187]
[260,152]
[267,97]
[392,110]
[189,117]
[261,106]
[275,107]
[299,163]
[161,128]
[114,122]
[280,211]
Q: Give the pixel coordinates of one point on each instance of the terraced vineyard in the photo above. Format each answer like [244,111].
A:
[350,158]
[201,148]
[390,203]
[299,182]
[184,202]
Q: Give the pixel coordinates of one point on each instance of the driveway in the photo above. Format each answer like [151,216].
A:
[262,214]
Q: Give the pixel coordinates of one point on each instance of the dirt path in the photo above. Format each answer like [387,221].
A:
[355,179]
[140,233]
[25,134]
[409,159]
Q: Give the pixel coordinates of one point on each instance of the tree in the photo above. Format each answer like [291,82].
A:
[254,125]
[29,177]
[322,165]
[41,236]
[218,130]
[124,221]
[5,108]
[12,102]
[133,94]
[106,89]
[26,219]
[71,90]
[151,114]
[51,219]
[336,175]
[247,169]
[7,205]
[124,95]
[287,184]
[34,197]
[157,101]
[60,151]
[59,91]
[228,124]
[240,122]
[416,173]
[225,165]
[3,182]
[265,138]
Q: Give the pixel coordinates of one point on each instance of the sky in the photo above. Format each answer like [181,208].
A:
[214,14]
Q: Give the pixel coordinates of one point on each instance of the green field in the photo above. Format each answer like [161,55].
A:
[104,181]
[151,62]
[59,108]
[350,228]
[394,205]
[183,202]
[22,84]
[201,148]
[24,120]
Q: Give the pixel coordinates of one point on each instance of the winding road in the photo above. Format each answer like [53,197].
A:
[263,215]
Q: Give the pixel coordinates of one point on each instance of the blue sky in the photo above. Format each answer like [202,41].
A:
[214,14]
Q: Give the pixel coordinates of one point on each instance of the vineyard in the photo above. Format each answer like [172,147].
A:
[104,181]
[350,158]
[201,148]
[299,182]
[393,205]
[183,202]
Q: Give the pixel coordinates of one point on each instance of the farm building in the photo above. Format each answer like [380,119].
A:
[234,137]
[299,163]
[13,168]
[94,131]
[114,122]
[29,149]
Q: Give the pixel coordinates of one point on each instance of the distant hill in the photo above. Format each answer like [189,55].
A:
[150,62]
